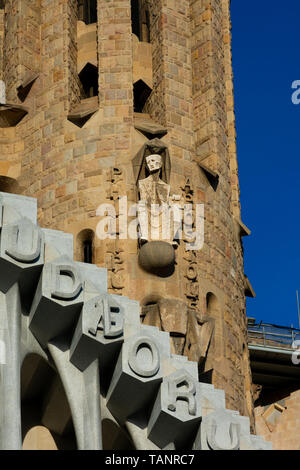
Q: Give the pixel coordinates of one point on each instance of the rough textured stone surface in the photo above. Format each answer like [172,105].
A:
[279,422]
[72,168]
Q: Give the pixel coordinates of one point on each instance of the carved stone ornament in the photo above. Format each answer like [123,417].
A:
[84,333]
[159,218]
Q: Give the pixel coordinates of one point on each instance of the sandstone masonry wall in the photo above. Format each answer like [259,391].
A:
[279,422]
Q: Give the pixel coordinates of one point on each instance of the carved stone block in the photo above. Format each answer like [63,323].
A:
[58,300]
[179,362]
[226,430]
[99,332]
[139,369]
[177,411]
[21,257]
[219,431]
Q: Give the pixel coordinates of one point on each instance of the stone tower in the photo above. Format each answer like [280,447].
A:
[93,87]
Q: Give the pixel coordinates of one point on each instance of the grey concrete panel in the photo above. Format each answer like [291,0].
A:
[15,206]
[258,443]
[212,399]
[56,415]
[57,244]
[97,276]
[10,393]
[83,393]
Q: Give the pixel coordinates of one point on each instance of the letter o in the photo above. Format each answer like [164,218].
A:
[192,273]
[139,365]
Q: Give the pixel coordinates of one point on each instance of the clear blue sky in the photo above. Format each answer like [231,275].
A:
[266,60]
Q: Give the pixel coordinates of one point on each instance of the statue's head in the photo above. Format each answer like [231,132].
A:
[154,162]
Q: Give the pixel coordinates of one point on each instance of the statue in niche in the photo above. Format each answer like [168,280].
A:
[152,171]
[154,196]
[152,189]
